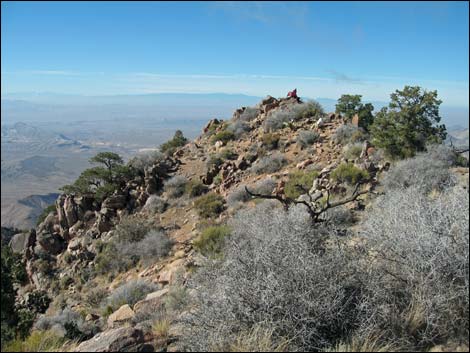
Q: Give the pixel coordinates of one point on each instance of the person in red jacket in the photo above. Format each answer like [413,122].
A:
[293,93]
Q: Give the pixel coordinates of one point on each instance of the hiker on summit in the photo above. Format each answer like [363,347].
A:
[293,93]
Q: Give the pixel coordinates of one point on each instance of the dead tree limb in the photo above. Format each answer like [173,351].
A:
[312,207]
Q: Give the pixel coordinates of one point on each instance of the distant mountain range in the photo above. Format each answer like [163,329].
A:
[46,107]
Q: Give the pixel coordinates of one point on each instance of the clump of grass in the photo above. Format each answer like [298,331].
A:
[160,328]
[37,341]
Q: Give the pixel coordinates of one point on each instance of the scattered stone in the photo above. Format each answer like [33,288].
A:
[123,314]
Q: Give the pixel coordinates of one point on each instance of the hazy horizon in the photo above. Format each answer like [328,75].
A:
[251,48]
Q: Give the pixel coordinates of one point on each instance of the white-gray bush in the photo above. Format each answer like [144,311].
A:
[352,150]
[344,134]
[155,204]
[175,186]
[309,109]
[265,187]
[152,247]
[427,170]
[306,138]
[249,114]
[418,277]
[407,282]
[146,159]
[67,323]
[269,164]
[238,128]
[339,216]
[277,273]
[278,120]
[131,229]
[130,293]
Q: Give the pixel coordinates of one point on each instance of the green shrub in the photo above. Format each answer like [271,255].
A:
[270,141]
[349,173]
[170,146]
[209,205]
[211,240]
[299,183]
[66,281]
[217,179]
[228,154]
[224,136]
[195,188]
[214,161]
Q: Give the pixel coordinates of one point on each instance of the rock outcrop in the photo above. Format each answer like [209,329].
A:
[124,339]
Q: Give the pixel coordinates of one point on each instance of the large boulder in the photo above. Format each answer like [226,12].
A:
[48,223]
[210,124]
[22,241]
[121,315]
[70,209]
[52,243]
[123,339]
[152,301]
[115,202]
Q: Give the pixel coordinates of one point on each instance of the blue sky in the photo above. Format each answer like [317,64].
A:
[324,49]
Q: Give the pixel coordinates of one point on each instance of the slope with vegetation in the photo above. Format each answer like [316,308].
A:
[283,228]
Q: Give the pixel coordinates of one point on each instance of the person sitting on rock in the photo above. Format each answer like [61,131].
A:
[292,94]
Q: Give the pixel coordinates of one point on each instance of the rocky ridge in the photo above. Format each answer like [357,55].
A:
[70,238]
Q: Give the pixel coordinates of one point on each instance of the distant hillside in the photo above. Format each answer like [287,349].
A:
[24,213]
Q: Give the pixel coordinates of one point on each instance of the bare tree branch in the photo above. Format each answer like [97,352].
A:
[312,206]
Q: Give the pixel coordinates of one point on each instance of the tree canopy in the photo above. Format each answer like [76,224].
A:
[178,140]
[410,121]
[349,105]
[101,180]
